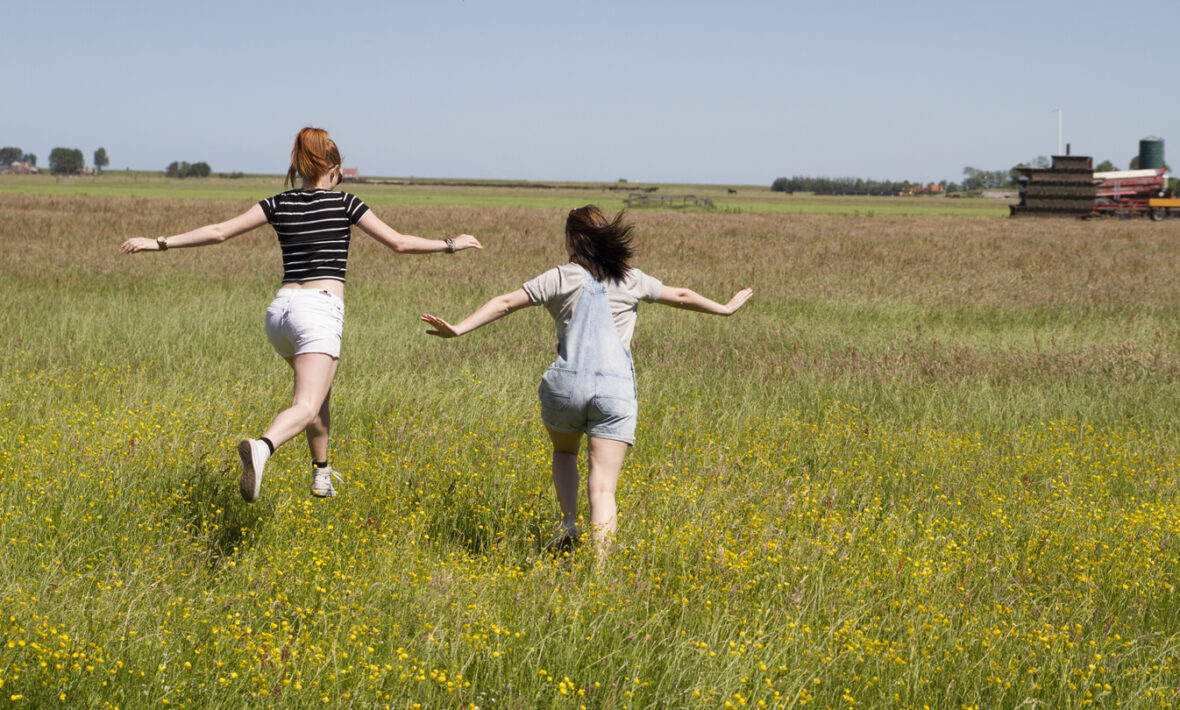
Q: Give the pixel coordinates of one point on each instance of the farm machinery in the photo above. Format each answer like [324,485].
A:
[1133,193]
[1070,188]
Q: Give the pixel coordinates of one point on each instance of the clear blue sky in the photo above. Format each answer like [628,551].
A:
[688,91]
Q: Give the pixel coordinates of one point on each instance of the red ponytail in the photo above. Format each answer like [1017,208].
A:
[314,155]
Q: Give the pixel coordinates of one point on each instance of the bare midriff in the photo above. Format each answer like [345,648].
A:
[332,286]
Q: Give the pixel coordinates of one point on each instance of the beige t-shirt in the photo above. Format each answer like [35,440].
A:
[559,288]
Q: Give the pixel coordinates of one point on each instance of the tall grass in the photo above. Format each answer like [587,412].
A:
[932,463]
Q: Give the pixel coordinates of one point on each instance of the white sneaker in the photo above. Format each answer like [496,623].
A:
[254,454]
[321,485]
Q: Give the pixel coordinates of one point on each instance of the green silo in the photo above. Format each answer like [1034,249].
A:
[1151,153]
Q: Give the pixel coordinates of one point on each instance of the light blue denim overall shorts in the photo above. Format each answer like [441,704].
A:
[591,386]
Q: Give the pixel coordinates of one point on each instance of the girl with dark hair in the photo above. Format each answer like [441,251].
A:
[305,321]
[590,388]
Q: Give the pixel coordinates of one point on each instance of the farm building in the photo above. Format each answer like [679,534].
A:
[19,168]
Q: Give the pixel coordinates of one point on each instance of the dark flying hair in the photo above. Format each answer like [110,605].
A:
[599,245]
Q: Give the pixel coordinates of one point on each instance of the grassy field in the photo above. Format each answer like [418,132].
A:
[419,192]
[932,463]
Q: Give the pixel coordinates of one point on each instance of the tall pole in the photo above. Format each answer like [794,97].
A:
[1059,112]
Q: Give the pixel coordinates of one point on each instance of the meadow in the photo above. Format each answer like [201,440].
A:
[932,464]
[425,192]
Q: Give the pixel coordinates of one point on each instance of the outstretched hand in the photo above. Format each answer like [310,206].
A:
[739,299]
[466,241]
[442,328]
[135,244]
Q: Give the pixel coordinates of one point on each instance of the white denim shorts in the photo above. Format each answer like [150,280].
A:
[299,322]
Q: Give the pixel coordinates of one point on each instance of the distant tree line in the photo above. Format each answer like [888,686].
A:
[183,169]
[66,161]
[841,186]
[974,180]
[62,161]
[70,161]
[10,155]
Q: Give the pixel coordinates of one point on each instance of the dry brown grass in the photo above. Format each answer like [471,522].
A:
[942,262]
[847,306]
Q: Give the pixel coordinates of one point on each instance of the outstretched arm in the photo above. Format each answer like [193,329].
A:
[209,234]
[690,300]
[494,309]
[376,228]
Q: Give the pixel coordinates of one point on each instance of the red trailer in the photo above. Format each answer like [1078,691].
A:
[1128,193]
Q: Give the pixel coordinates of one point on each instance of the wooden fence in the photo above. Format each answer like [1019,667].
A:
[640,199]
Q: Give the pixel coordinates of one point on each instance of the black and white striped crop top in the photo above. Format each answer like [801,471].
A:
[313,231]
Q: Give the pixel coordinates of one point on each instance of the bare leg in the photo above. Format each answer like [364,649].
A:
[606,461]
[565,474]
[319,429]
[313,385]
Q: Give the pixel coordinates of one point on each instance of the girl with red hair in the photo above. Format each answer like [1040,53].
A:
[306,318]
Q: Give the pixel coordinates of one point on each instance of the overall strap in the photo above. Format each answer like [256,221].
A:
[591,342]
